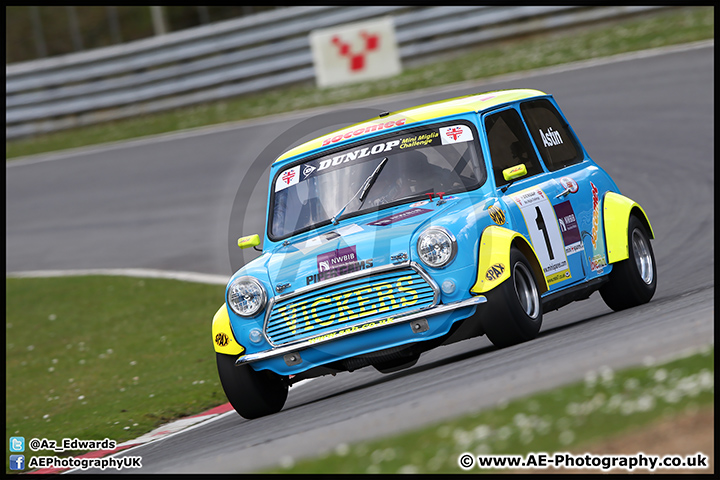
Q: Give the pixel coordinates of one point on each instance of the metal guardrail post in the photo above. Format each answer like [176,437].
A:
[159,20]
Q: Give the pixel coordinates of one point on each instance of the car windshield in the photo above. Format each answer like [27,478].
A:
[442,158]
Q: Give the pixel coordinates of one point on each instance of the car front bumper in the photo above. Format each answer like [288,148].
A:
[363,338]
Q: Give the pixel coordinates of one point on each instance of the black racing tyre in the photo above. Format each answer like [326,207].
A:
[252,394]
[632,281]
[514,312]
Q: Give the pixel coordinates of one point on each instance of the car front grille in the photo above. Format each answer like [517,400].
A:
[334,306]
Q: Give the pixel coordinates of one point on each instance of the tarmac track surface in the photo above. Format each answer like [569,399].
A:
[648,121]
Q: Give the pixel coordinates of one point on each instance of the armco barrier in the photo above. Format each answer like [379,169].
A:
[235,57]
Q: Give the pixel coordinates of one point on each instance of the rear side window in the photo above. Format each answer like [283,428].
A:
[509,144]
[557,146]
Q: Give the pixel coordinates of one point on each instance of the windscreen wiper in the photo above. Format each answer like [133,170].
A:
[369,182]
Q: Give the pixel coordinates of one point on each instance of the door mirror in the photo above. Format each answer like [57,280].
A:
[514,172]
[249,241]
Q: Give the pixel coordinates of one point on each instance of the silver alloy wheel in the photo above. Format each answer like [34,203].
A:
[643,260]
[526,290]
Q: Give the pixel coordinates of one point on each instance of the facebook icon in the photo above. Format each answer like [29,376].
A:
[17,462]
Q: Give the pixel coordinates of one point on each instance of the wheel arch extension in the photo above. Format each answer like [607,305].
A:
[617,210]
[222,335]
[494,259]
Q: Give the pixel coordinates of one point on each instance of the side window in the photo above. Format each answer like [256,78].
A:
[557,146]
[509,144]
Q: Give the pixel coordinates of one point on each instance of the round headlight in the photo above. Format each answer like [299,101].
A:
[246,296]
[436,247]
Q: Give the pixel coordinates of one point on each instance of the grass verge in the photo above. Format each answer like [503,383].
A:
[96,357]
[606,403]
[667,27]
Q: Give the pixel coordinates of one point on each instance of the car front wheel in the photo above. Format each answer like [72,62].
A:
[252,394]
[632,281]
[514,312]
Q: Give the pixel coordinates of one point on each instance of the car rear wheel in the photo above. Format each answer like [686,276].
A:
[252,394]
[514,312]
[632,281]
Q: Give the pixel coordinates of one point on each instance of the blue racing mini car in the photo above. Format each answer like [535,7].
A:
[420,228]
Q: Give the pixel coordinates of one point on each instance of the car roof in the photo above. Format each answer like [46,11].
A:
[468,103]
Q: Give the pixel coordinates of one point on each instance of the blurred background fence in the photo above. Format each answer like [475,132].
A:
[263,48]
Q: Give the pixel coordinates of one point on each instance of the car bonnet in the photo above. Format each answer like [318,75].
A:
[356,244]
